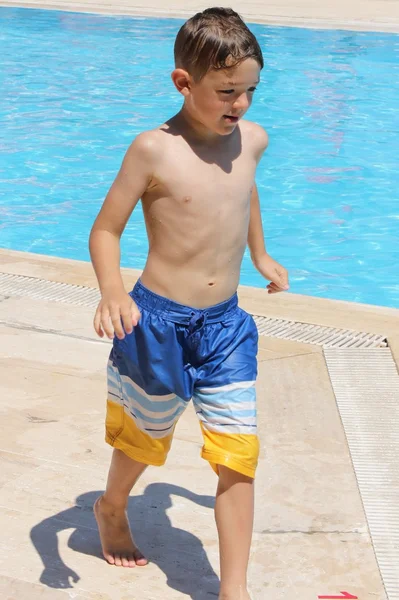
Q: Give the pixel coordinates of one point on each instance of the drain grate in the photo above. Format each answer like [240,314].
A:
[41,289]
[328,337]
[366,386]
[78,295]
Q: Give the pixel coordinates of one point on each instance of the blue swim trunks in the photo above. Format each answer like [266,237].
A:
[177,353]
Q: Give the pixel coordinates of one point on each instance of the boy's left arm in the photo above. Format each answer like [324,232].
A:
[263,262]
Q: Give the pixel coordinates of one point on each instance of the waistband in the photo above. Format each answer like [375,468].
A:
[179,313]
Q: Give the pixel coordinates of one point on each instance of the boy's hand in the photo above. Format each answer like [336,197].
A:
[115,309]
[276,273]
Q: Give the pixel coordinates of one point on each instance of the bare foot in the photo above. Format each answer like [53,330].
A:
[116,538]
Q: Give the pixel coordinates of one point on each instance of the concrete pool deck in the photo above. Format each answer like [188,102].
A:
[368,15]
[311,534]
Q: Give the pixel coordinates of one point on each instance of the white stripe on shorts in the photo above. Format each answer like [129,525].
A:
[226,388]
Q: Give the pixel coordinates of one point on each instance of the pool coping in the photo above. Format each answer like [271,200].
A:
[293,14]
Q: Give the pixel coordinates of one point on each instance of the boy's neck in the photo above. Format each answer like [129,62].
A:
[196,130]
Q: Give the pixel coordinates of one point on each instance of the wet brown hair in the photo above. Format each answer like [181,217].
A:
[216,38]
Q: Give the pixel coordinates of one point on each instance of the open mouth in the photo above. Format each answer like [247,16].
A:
[231,119]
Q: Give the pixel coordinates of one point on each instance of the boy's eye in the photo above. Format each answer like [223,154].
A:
[251,89]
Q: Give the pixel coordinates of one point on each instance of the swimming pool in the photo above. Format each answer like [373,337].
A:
[77,88]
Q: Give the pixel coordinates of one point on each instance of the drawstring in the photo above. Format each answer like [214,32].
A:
[198,318]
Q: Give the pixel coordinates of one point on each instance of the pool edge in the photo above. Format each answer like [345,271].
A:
[380,23]
[294,307]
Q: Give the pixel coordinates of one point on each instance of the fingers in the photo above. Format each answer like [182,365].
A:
[112,319]
[106,323]
[135,314]
[283,279]
[127,321]
[273,288]
[102,323]
[130,317]
[117,323]
[279,283]
[97,323]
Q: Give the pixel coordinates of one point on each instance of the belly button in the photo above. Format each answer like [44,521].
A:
[211,283]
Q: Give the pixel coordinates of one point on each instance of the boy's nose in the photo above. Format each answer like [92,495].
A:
[241,103]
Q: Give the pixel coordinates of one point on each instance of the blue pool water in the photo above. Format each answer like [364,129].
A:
[75,90]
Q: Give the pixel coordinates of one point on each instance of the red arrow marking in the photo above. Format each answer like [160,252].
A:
[344,595]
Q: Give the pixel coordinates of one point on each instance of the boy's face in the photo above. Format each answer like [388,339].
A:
[222,97]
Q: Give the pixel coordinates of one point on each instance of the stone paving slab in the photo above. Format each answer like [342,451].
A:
[53,317]
[280,347]
[325,564]
[16,589]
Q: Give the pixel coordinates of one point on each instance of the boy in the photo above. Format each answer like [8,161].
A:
[180,334]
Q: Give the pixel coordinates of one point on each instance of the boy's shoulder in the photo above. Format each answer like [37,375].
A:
[147,141]
[146,149]
[256,133]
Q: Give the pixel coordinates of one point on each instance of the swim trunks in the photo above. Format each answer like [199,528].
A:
[177,353]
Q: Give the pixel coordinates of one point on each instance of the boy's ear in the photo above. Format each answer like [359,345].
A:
[182,81]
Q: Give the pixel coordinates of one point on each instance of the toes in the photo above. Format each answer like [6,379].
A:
[140,559]
[109,558]
[141,562]
[132,562]
[125,561]
[118,560]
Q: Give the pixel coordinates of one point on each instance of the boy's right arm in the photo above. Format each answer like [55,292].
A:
[116,306]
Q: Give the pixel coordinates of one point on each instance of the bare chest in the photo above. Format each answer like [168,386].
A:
[191,186]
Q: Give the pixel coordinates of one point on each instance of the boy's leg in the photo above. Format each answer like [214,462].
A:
[225,401]
[110,510]
[234,513]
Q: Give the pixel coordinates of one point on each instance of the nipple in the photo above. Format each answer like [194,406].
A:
[187,199]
